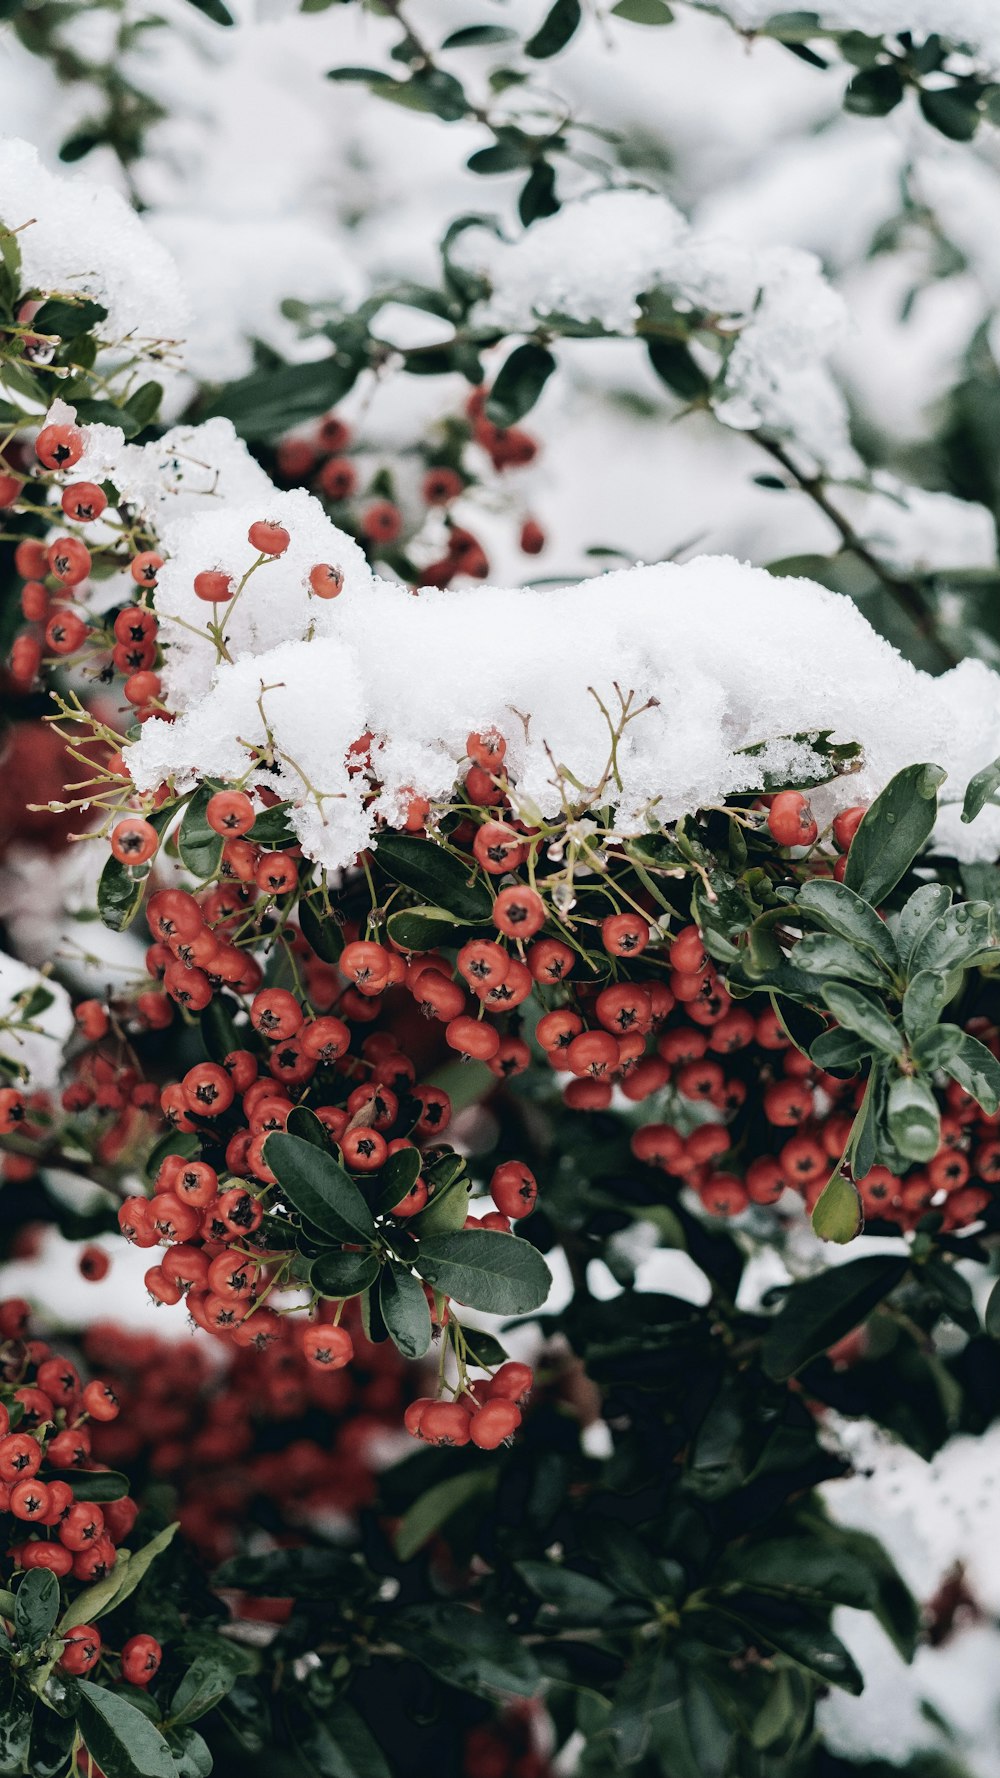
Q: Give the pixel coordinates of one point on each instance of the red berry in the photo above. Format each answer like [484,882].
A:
[83,501]
[497,1420]
[790,819]
[270,539]
[213,586]
[326,581]
[81,1650]
[230,812]
[141,1657]
[59,447]
[327,1348]
[134,841]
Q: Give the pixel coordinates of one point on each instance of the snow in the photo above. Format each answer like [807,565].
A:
[55,215]
[772,306]
[170,479]
[731,657]
[970,23]
[36,1052]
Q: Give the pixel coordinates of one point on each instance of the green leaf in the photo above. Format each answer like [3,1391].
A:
[119,894]
[819,1311]
[643,12]
[92,1484]
[518,383]
[821,953]
[120,1738]
[914,1118]
[648,1689]
[300,1573]
[966,1059]
[270,402]
[840,911]
[954,110]
[838,1049]
[199,845]
[191,1754]
[435,875]
[675,366]
[500,157]
[893,831]
[537,196]
[484,1269]
[927,994]
[319,1188]
[471,36]
[918,914]
[424,928]
[815,1647]
[117,1586]
[218,1032]
[305,1124]
[962,935]
[837,1215]
[17,1739]
[874,92]
[854,1011]
[144,404]
[397,1176]
[483,1349]
[468,1649]
[321,931]
[214,10]
[981,790]
[67,318]
[210,1677]
[340,1275]
[272,826]
[426,1516]
[573,1597]
[555,31]
[991,1317]
[447,1209]
[341,1745]
[36,1607]
[405,1311]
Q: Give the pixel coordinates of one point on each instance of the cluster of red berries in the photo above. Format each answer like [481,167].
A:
[485,1413]
[508,1747]
[47,1419]
[328,462]
[266,1436]
[779,1123]
[113,1109]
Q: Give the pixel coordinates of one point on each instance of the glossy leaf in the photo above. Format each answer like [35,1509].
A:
[818,1311]
[468,1649]
[484,1269]
[122,1740]
[405,1311]
[36,1607]
[435,875]
[519,383]
[558,26]
[339,1275]
[893,832]
[319,1188]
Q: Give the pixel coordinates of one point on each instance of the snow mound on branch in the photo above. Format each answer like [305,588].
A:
[171,478]
[718,657]
[129,273]
[596,258]
[276,606]
[35,1053]
[974,24]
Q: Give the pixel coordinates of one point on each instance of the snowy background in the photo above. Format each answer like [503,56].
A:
[265,182]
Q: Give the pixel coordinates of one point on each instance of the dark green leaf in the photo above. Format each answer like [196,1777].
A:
[893,831]
[304,1123]
[818,1311]
[36,1607]
[675,366]
[468,1649]
[214,10]
[954,110]
[320,930]
[962,935]
[471,36]
[573,1597]
[821,953]
[210,1677]
[340,1275]
[643,12]
[122,1740]
[426,1516]
[199,845]
[92,1484]
[435,875]
[981,790]
[555,31]
[484,1269]
[518,383]
[649,1688]
[119,895]
[319,1188]
[423,928]
[341,1745]
[270,402]
[537,196]
[405,1311]
[874,92]
[68,319]
[397,1176]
